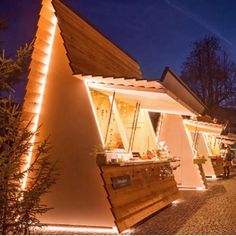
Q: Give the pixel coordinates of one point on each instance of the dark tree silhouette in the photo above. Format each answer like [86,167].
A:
[12,69]
[19,205]
[210,73]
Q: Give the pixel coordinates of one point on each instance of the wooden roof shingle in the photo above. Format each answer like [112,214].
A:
[89,52]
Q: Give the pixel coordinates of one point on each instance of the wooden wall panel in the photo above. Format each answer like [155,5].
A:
[152,187]
[217,166]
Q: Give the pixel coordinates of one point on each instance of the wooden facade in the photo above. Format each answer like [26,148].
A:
[89,52]
[206,138]
[70,59]
[152,187]
[217,165]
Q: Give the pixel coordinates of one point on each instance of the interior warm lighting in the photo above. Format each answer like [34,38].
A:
[69,229]
[94,113]
[209,128]
[37,108]
[148,122]
[122,131]
[194,152]
[169,111]
[162,104]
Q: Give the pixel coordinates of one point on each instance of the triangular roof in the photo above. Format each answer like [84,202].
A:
[89,52]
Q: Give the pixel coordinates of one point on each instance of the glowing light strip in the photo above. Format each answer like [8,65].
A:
[206,144]
[203,124]
[40,99]
[193,189]
[170,111]
[190,140]
[159,127]
[94,113]
[68,229]
[194,154]
[148,122]
[212,177]
[178,201]
[217,130]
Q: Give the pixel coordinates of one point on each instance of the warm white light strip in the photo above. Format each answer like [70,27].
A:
[193,189]
[158,133]
[171,111]
[212,177]
[194,153]
[150,130]
[209,128]
[43,81]
[190,140]
[205,137]
[68,229]
[94,113]
[178,201]
[201,188]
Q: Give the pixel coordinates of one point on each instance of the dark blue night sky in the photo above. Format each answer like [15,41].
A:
[157,33]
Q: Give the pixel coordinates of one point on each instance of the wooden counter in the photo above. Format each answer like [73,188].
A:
[137,191]
[217,165]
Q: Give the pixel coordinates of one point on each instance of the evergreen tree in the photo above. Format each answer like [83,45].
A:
[12,70]
[19,207]
[20,204]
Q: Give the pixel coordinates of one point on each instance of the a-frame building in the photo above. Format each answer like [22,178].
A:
[69,58]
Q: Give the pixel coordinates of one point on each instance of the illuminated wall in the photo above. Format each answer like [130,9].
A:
[65,112]
[203,149]
[174,133]
[37,77]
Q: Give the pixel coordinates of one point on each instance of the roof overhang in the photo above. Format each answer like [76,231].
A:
[174,84]
[227,139]
[152,95]
[204,127]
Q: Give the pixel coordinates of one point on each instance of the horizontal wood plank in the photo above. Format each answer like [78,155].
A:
[151,187]
[85,44]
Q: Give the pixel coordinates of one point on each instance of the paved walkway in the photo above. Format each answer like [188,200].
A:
[198,212]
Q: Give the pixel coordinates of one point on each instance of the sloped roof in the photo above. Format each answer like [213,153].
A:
[152,95]
[174,84]
[89,52]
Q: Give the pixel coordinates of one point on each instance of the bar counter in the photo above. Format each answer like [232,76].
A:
[137,189]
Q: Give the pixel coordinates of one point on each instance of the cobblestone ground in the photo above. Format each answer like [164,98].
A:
[197,212]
